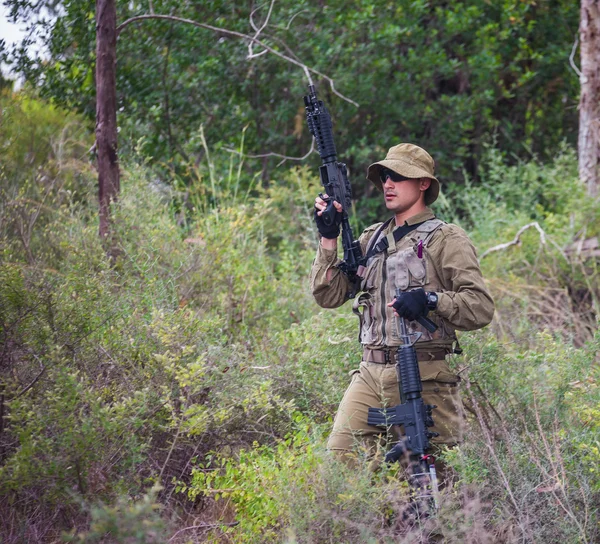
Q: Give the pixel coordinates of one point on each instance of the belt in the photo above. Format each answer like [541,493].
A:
[388,356]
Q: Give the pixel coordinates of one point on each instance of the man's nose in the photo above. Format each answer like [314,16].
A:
[388,183]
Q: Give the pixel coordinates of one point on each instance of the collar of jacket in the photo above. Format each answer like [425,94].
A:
[425,215]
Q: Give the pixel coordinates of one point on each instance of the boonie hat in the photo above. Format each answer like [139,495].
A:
[410,161]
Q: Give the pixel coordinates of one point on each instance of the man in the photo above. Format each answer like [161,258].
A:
[435,266]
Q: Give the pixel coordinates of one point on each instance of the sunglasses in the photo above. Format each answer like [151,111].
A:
[385,173]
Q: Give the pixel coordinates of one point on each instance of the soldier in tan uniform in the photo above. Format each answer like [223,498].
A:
[435,266]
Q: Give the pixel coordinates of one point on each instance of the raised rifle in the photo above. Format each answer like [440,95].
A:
[415,416]
[334,178]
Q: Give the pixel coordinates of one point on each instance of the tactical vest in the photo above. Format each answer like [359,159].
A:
[405,265]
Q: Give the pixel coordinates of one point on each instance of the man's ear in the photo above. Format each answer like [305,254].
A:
[425,184]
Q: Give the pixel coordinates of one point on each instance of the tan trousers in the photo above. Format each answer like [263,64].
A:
[376,385]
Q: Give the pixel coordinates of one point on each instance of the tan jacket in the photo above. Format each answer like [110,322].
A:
[448,265]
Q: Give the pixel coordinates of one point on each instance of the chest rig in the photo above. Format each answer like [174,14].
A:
[404,264]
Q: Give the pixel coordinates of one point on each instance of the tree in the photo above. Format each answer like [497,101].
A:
[106,111]
[451,76]
[106,145]
[589,102]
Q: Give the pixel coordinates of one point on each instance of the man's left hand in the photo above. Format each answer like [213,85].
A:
[411,304]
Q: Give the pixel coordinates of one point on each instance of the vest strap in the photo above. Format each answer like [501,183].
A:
[386,241]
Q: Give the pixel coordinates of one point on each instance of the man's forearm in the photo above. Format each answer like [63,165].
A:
[328,284]
[329,243]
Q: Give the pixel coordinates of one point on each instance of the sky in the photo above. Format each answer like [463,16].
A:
[9,32]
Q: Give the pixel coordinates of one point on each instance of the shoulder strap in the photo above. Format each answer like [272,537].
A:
[369,253]
[384,243]
[429,228]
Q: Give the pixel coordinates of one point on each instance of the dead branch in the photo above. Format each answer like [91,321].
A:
[307,69]
[251,53]
[272,154]
[205,527]
[572,55]
[517,241]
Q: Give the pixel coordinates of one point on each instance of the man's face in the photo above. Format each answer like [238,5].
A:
[401,196]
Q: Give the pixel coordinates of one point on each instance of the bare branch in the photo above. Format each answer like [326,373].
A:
[307,69]
[517,241]
[572,56]
[258,30]
[271,154]
[205,527]
[34,381]
[293,17]
[490,445]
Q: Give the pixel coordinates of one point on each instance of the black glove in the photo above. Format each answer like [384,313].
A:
[331,231]
[411,304]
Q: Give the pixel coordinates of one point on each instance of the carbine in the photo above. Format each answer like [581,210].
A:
[415,416]
[334,178]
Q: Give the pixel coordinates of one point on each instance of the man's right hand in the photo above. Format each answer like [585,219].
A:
[330,232]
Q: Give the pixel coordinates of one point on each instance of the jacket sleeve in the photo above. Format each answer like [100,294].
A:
[333,293]
[465,301]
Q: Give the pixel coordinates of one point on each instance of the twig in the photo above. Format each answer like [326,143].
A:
[205,526]
[162,470]
[251,53]
[560,483]
[517,241]
[489,444]
[34,381]
[271,154]
[306,69]
[294,16]
[572,56]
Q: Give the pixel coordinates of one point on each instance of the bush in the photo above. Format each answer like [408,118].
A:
[198,361]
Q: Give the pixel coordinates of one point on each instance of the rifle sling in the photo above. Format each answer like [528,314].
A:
[383,244]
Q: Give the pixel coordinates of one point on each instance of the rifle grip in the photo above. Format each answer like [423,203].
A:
[329,212]
[427,323]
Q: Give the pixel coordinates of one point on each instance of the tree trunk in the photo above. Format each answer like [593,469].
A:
[106,111]
[589,102]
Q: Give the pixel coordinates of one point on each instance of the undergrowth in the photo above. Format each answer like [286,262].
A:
[185,393]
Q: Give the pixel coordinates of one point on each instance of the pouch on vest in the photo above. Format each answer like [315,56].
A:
[369,281]
[410,271]
[366,331]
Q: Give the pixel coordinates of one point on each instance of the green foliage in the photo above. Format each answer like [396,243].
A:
[445,75]
[538,444]
[127,522]
[199,362]
[290,488]
[248,482]
[541,211]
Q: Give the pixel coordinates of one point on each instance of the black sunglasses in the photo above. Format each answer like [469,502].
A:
[385,173]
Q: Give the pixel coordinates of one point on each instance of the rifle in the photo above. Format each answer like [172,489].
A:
[415,416]
[334,178]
